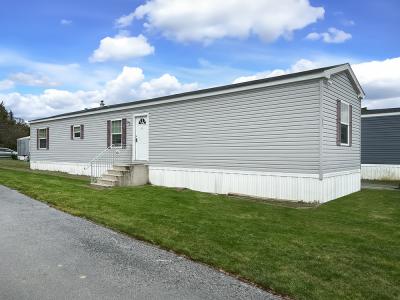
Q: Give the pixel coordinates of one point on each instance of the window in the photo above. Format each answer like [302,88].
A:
[77,132]
[344,123]
[116,133]
[42,137]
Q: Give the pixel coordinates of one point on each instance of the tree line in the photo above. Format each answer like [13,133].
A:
[11,128]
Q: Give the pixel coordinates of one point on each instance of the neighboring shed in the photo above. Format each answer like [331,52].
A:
[380,144]
[293,137]
[23,147]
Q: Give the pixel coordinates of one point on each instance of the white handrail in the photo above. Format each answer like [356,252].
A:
[98,156]
[105,160]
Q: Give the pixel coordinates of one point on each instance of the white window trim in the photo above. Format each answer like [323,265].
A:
[348,124]
[73,132]
[45,138]
[112,145]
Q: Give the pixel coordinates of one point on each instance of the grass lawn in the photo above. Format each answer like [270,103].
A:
[346,249]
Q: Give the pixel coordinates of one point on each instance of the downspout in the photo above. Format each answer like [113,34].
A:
[321,126]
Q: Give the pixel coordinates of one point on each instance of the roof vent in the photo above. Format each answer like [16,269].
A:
[102,103]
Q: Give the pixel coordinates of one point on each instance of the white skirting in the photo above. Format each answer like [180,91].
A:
[380,172]
[296,187]
[284,186]
[66,167]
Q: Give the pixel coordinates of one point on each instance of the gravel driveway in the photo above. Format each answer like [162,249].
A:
[47,254]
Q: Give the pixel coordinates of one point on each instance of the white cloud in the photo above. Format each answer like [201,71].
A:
[348,22]
[300,65]
[65,22]
[124,86]
[121,47]
[379,79]
[381,82]
[129,85]
[70,75]
[125,21]
[313,36]
[50,102]
[32,80]
[164,85]
[333,35]
[208,20]
[6,84]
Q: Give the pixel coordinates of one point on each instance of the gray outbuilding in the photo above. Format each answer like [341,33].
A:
[292,137]
[23,148]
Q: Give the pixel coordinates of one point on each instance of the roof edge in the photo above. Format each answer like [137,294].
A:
[380,112]
[325,72]
[347,68]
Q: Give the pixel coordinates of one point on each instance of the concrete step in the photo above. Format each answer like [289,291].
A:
[107,182]
[115,177]
[117,172]
[97,184]
[121,168]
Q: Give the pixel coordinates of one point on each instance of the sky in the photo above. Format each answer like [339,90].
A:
[61,56]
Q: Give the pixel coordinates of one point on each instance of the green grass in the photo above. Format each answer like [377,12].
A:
[13,164]
[346,249]
[10,164]
[383,182]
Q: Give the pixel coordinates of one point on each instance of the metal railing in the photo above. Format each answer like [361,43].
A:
[108,158]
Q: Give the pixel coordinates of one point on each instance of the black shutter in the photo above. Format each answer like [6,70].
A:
[338,127]
[108,133]
[37,139]
[47,138]
[82,132]
[350,124]
[72,132]
[123,135]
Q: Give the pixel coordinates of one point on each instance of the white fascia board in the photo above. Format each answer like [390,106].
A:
[347,68]
[381,115]
[188,97]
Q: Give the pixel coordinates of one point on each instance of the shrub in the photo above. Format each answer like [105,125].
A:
[14,156]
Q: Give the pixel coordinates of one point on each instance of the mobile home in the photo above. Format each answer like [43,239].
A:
[380,144]
[292,137]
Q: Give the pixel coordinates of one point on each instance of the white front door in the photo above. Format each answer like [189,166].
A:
[141,137]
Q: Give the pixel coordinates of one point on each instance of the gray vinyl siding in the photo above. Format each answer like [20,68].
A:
[340,158]
[380,140]
[272,129]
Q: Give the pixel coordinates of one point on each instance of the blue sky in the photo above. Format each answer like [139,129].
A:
[58,56]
